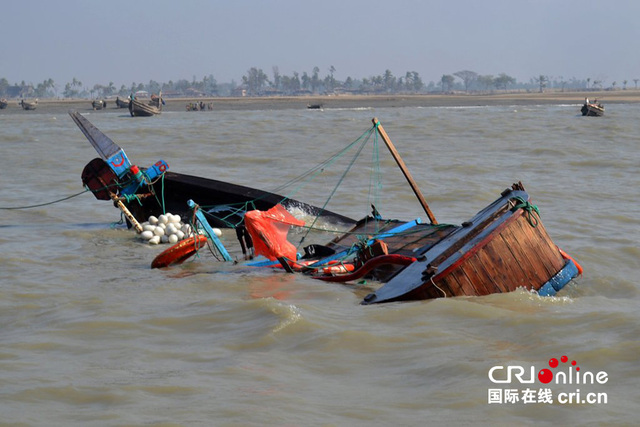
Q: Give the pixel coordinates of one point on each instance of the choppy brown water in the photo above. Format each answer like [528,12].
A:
[90,335]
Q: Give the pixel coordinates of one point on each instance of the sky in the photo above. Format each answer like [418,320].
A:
[136,41]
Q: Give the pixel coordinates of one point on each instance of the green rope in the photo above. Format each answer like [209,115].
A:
[529,211]
[131,197]
[316,170]
[335,188]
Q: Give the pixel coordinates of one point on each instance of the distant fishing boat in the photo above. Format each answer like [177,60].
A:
[98,104]
[593,109]
[140,109]
[122,104]
[3,103]
[28,105]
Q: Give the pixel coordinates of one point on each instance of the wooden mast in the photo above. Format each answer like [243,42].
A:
[404,170]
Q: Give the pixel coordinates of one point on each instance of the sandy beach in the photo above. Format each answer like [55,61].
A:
[368,101]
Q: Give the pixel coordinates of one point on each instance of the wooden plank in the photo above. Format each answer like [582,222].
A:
[457,284]
[537,274]
[450,284]
[510,273]
[480,283]
[549,249]
[543,249]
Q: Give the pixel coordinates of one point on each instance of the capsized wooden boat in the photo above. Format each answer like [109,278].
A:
[502,248]
[28,105]
[153,107]
[592,109]
[155,190]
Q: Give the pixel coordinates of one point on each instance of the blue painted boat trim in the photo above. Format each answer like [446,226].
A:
[557,282]
[207,228]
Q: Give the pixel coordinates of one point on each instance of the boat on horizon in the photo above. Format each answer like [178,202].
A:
[593,109]
[98,104]
[28,105]
[153,107]
[122,103]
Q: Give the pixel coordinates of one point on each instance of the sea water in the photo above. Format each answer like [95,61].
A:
[90,335]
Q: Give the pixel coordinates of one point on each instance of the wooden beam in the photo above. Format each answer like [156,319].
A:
[404,170]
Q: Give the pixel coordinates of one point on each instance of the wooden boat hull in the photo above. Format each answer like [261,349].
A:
[224,203]
[140,109]
[29,105]
[122,104]
[592,110]
[501,249]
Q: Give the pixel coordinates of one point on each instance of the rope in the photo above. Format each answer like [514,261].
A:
[529,211]
[43,204]
[299,182]
[344,174]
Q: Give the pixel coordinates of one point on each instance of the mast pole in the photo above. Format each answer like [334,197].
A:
[405,171]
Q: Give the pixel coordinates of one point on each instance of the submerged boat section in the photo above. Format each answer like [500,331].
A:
[502,248]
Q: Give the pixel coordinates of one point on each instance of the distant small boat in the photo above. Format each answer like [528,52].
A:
[314,106]
[594,109]
[99,104]
[3,103]
[122,104]
[152,108]
[26,105]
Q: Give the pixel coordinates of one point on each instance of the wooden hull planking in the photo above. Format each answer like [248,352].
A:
[140,109]
[498,253]
[592,110]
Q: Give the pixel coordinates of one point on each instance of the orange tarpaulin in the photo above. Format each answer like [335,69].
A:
[269,229]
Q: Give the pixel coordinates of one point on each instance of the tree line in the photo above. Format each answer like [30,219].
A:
[258,83]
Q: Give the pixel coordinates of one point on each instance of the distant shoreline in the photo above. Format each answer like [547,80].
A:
[363,101]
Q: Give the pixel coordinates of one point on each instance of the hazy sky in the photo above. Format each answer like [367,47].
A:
[138,41]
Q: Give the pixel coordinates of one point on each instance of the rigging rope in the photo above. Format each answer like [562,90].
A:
[353,160]
[44,204]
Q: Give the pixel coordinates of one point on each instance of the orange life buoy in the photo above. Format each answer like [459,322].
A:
[390,259]
[567,256]
[179,252]
[341,268]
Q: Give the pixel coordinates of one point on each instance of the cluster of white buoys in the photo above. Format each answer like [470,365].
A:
[166,228]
